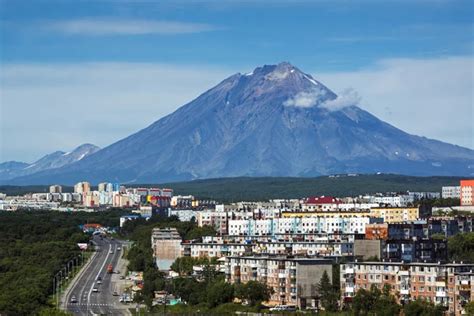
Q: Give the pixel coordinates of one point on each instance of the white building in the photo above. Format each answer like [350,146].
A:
[451,192]
[183,215]
[308,224]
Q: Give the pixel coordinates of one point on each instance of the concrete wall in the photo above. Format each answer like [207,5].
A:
[166,252]
[368,248]
[308,276]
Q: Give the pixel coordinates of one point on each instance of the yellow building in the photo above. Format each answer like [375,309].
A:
[396,214]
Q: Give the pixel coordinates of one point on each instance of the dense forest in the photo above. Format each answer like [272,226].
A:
[34,246]
[264,188]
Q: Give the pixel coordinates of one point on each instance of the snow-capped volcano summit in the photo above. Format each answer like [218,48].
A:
[273,121]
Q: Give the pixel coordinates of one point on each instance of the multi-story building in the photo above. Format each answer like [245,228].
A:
[55,189]
[323,203]
[220,247]
[183,201]
[82,187]
[217,220]
[292,225]
[467,192]
[293,280]
[451,192]
[396,214]
[408,241]
[184,215]
[102,187]
[450,285]
[166,244]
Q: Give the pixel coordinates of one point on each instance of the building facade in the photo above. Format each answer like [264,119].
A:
[166,244]
[293,280]
[450,285]
[467,192]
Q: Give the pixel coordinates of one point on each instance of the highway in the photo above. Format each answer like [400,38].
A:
[102,302]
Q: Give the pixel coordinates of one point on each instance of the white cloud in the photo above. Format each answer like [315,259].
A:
[429,97]
[48,107]
[305,99]
[346,98]
[108,26]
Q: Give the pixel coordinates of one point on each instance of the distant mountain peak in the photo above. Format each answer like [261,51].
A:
[50,161]
[274,121]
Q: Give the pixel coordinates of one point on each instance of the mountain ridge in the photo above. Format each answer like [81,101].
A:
[14,169]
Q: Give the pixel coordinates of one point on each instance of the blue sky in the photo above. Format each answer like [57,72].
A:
[117,66]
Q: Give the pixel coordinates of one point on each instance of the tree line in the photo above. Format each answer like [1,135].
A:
[34,246]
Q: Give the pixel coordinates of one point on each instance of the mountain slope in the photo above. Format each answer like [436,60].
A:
[57,159]
[275,121]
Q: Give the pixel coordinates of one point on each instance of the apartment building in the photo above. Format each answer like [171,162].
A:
[451,192]
[55,189]
[450,285]
[293,280]
[306,224]
[396,214]
[320,248]
[467,192]
[166,244]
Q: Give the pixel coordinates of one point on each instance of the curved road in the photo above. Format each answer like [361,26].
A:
[102,302]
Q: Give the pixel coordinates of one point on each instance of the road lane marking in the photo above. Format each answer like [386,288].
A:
[100,270]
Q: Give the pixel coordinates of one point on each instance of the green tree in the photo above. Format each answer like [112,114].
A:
[386,304]
[421,307]
[461,247]
[219,293]
[253,292]
[469,309]
[329,297]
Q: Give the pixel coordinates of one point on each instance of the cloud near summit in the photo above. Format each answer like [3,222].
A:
[346,98]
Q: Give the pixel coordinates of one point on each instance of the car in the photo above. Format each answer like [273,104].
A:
[111,251]
[115,293]
[73,299]
[283,308]
[118,248]
[99,278]
[95,290]
[99,282]
[122,277]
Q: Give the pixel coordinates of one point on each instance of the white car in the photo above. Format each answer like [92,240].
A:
[283,308]
[95,290]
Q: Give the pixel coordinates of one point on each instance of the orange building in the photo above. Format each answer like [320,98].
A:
[376,231]
[467,192]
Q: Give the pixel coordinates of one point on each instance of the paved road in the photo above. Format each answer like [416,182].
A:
[102,302]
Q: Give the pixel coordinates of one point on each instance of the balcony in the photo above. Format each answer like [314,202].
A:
[404,291]
[441,294]
[465,288]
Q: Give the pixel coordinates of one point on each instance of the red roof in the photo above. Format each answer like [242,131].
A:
[92,226]
[322,200]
